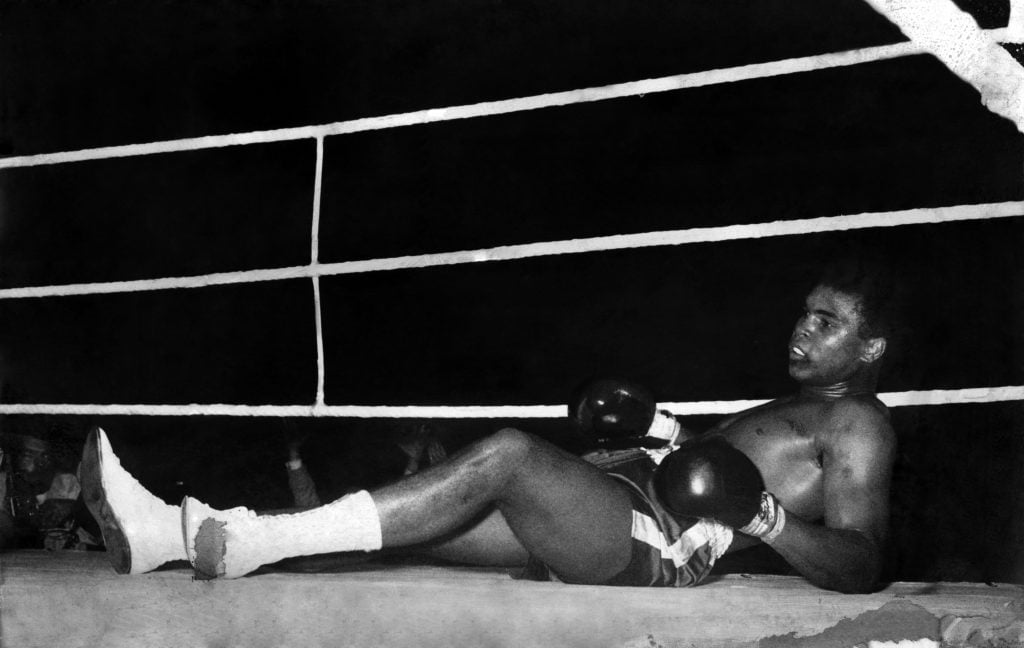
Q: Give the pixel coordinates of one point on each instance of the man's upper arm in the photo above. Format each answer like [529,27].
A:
[857,463]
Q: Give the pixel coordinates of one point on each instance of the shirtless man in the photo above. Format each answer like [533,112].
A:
[812,469]
[827,451]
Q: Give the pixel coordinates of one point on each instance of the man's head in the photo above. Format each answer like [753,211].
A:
[846,327]
[871,282]
[29,458]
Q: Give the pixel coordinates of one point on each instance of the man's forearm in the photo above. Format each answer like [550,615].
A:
[845,560]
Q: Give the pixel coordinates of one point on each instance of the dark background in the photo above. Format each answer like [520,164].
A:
[694,322]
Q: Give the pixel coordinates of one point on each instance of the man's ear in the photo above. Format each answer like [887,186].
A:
[874,349]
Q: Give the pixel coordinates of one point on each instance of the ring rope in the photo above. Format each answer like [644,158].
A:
[314,259]
[315,270]
[927,215]
[318,179]
[500,107]
[953,36]
[891,399]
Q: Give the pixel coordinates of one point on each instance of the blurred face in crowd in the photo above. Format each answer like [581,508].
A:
[32,460]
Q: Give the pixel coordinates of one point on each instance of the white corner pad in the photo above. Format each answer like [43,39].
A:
[954,37]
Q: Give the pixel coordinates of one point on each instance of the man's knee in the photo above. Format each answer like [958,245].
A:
[506,450]
[511,443]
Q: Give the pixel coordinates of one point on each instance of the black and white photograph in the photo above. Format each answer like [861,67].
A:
[512,323]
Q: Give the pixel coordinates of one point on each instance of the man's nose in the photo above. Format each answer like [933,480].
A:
[803,327]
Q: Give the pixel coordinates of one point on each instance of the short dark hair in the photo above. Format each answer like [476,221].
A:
[872,280]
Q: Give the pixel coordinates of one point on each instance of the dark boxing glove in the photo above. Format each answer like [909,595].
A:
[613,410]
[708,478]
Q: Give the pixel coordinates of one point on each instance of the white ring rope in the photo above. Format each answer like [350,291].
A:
[677,237]
[318,179]
[585,95]
[892,399]
[1014,31]
[314,256]
[928,215]
[952,35]
[501,107]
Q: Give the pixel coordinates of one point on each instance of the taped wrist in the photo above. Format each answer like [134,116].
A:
[769,521]
[664,427]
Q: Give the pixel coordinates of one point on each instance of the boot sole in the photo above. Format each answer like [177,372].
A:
[119,552]
[204,543]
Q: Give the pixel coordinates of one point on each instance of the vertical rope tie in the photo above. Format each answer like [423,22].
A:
[314,260]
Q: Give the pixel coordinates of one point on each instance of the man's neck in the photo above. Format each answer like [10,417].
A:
[855,386]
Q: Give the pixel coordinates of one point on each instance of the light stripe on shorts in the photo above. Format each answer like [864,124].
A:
[704,532]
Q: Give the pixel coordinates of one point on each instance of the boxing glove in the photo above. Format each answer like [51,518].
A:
[708,478]
[608,410]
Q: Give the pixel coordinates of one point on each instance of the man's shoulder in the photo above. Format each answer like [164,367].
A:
[866,406]
[860,419]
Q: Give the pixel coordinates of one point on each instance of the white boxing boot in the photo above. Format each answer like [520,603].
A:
[232,543]
[140,531]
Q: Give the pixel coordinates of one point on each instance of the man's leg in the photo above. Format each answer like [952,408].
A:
[487,542]
[552,504]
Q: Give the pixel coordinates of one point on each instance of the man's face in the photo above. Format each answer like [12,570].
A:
[825,347]
[32,458]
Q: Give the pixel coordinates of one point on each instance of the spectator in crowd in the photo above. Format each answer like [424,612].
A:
[40,495]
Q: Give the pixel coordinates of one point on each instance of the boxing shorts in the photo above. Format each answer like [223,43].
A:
[667,552]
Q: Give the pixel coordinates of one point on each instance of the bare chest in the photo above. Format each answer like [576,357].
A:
[784,444]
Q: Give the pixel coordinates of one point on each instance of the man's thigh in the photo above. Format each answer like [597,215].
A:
[571,515]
